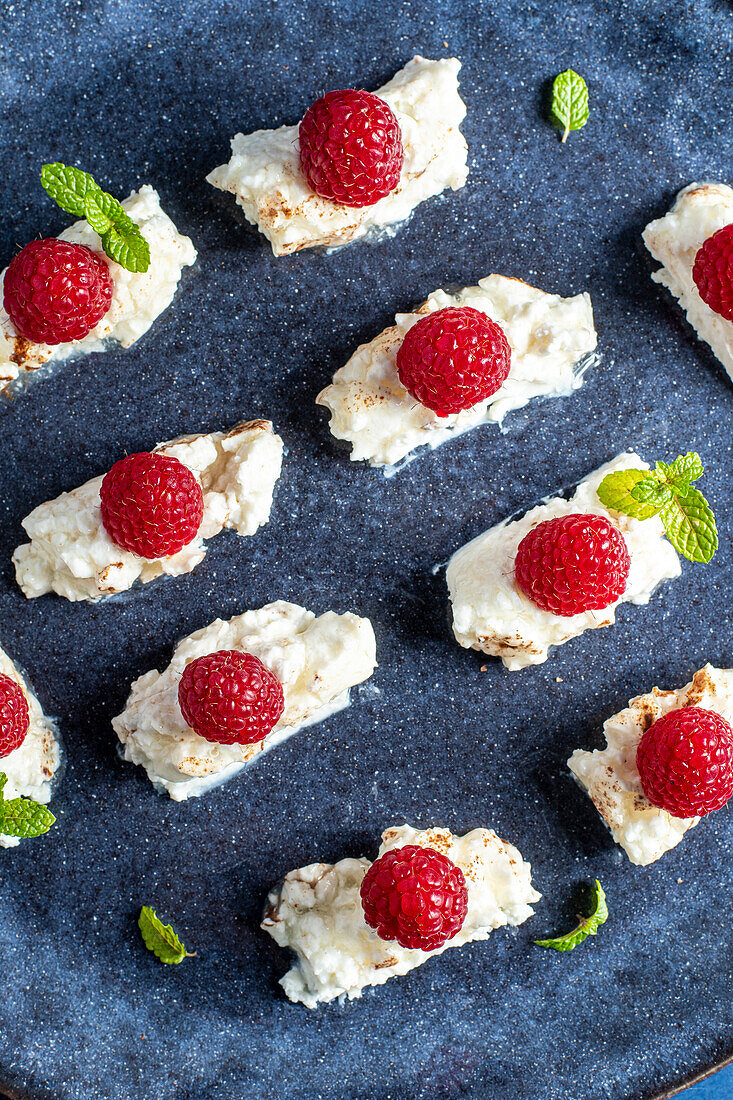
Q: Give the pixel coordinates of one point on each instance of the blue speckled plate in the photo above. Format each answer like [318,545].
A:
[153,92]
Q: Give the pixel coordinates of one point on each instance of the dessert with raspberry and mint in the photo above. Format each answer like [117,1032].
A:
[529,584]
[668,762]
[458,361]
[151,514]
[357,164]
[238,688]
[694,243]
[355,924]
[102,281]
[30,749]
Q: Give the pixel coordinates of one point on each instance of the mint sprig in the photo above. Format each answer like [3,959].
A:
[667,491]
[569,102]
[78,193]
[587,926]
[161,939]
[22,817]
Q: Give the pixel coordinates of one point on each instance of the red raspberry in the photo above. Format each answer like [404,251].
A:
[14,715]
[230,697]
[713,272]
[453,358]
[573,563]
[152,505]
[685,762]
[55,291]
[351,148]
[416,896]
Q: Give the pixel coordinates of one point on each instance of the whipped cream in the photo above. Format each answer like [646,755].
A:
[611,778]
[71,553]
[699,211]
[265,177]
[137,299]
[317,912]
[32,766]
[492,614]
[550,337]
[317,661]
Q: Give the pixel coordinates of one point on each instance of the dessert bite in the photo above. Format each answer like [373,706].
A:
[563,568]
[355,924]
[30,750]
[236,689]
[668,761]
[694,243]
[358,164]
[86,290]
[151,514]
[458,361]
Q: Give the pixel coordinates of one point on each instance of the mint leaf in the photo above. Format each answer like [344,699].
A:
[125,244]
[77,192]
[23,817]
[68,187]
[161,939]
[94,214]
[3,781]
[616,491]
[569,102]
[587,926]
[690,524]
[651,491]
[687,468]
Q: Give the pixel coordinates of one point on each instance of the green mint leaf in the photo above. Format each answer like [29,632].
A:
[569,102]
[94,214]
[616,491]
[161,939]
[3,781]
[651,491]
[77,193]
[690,524]
[68,187]
[685,468]
[587,926]
[23,817]
[125,244]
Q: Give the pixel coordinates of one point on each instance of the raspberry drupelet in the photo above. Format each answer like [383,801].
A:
[152,505]
[573,564]
[452,359]
[712,272]
[230,697]
[14,716]
[55,292]
[351,148]
[685,762]
[416,896]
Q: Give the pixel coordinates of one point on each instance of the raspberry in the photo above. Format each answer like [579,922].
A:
[713,272]
[152,505]
[685,762]
[453,358]
[55,291]
[416,896]
[351,148]
[573,563]
[230,697]
[14,715]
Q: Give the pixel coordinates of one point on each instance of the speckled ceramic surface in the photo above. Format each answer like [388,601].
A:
[152,93]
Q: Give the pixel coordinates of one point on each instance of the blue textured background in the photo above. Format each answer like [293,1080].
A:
[152,93]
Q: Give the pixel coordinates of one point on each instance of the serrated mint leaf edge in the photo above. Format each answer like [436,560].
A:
[698,521]
[588,926]
[569,106]
[68,186]
[160,938]
[609,496]
[24,818]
